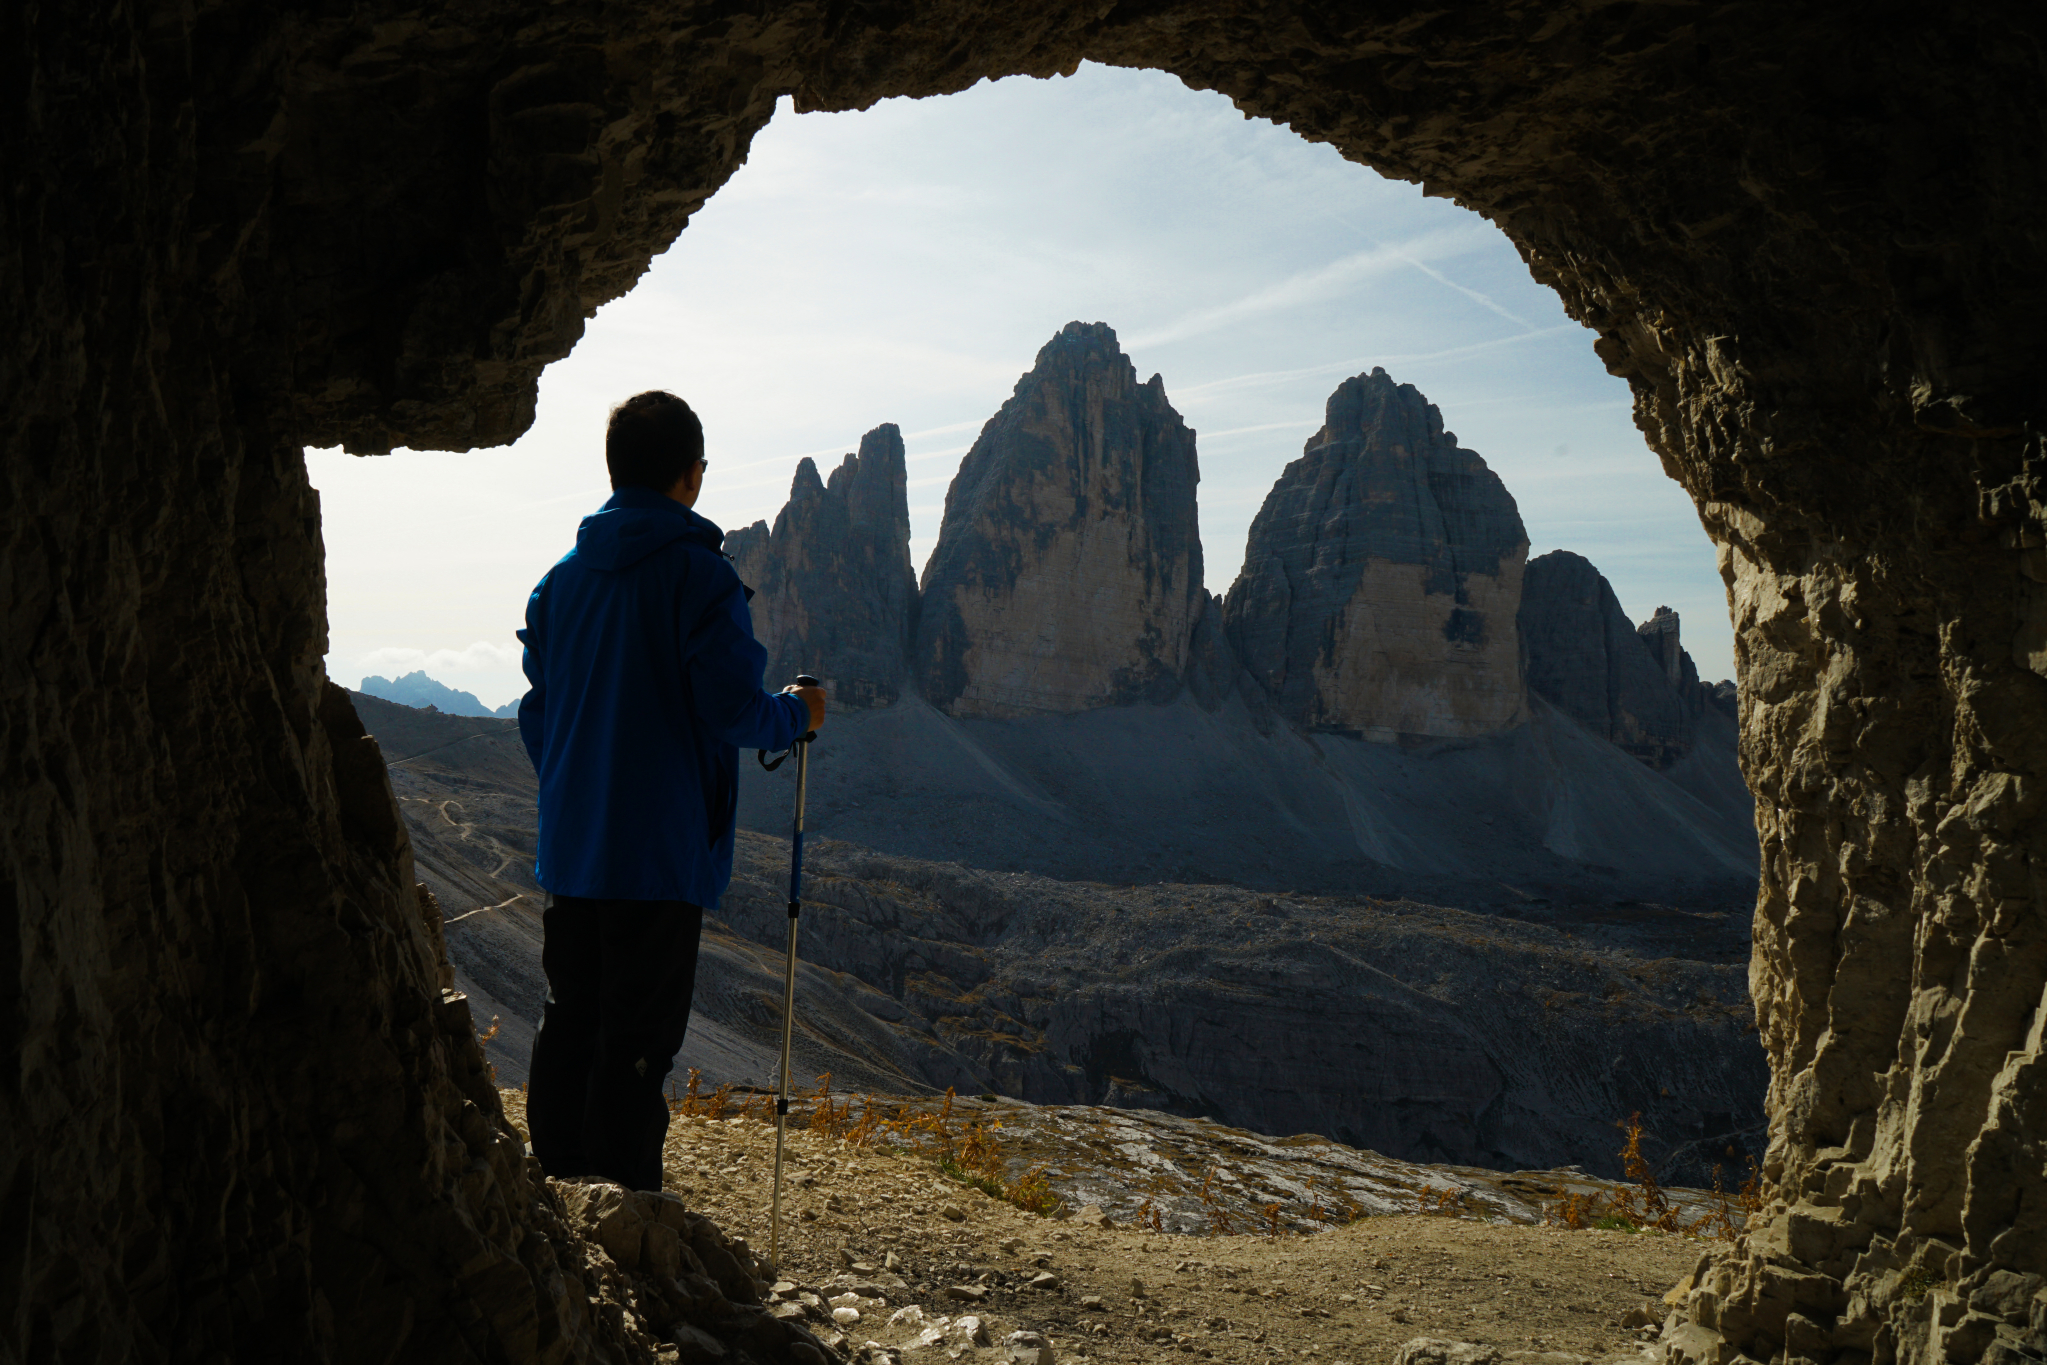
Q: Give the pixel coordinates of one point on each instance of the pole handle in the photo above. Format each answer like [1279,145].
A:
[805,680]
[802,680]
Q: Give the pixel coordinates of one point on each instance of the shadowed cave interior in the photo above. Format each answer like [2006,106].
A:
[244,1122]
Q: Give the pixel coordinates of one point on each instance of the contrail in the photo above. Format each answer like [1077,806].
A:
[1440,278]
[1482,300]
[1309,285]
[1258,379]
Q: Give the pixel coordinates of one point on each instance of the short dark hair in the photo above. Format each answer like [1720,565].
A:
[652,441]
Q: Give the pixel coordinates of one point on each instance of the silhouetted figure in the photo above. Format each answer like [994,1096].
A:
[646,681]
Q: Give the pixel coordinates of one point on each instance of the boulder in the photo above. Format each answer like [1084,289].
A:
[1028,1348]
[1382,577]
[1068,570]
[834,593]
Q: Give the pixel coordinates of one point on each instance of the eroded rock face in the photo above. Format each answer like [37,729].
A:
[1586,657]
[237,231]
[1382,577]
[1068,569]
[834,593]
[1418,1034]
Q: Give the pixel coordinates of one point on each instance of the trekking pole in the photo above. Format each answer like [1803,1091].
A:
[802,749]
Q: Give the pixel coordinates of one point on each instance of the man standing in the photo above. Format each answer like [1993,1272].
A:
[646,680]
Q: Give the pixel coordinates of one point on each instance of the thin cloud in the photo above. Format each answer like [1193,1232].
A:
[1265,378]
[1294,425]
[975,425]
[1483,300]
[592,495]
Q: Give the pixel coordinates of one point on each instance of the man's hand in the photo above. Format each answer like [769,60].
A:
[813,697]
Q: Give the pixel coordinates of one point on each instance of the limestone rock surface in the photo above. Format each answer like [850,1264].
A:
[1382,577]
[834,593]
[1068,569]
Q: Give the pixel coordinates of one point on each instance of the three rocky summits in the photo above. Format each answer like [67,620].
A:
[1386,592]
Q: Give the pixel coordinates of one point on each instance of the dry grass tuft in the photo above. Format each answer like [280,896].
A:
[970,1154]
[1644,1206]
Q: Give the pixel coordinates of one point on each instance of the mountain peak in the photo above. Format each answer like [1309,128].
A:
[1068,569]
[834,593]
[416,689]
[1383,574]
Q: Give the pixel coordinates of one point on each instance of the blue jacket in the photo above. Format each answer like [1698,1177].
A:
[645,680]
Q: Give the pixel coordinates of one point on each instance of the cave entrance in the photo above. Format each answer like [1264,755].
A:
[1809,246]
[903,265]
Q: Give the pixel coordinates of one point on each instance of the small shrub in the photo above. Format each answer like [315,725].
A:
[973,1179]
[1645,1206]
[1574,1211]
[1031,1193]
[1449,1201]
[1916,1283]
[1218,1216]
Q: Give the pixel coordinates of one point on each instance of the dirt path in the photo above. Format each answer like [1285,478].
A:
[919,1251]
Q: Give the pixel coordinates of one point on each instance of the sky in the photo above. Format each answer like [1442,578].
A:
[905,263]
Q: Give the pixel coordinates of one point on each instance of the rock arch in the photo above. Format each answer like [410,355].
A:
[236,1119]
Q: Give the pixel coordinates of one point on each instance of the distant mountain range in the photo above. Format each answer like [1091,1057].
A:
[1390,698]
[1386,591]
[417,689]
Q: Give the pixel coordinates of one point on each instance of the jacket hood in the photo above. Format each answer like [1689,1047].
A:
[635,522]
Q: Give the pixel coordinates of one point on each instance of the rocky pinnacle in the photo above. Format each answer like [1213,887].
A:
[834,593]
[1068,569]
[1382,576]
[1587,658]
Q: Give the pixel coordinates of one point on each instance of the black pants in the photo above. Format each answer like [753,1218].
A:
[619,979]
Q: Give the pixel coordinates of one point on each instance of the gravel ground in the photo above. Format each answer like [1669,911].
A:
[914,1254]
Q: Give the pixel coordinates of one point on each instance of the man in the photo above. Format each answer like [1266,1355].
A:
[646,681]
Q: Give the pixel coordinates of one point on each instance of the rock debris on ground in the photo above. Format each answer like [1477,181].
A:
[887,1258]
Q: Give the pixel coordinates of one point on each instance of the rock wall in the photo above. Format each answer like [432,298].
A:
[1382,577]
[1068,569]
[834,593]
[234,231]
[1587,658]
